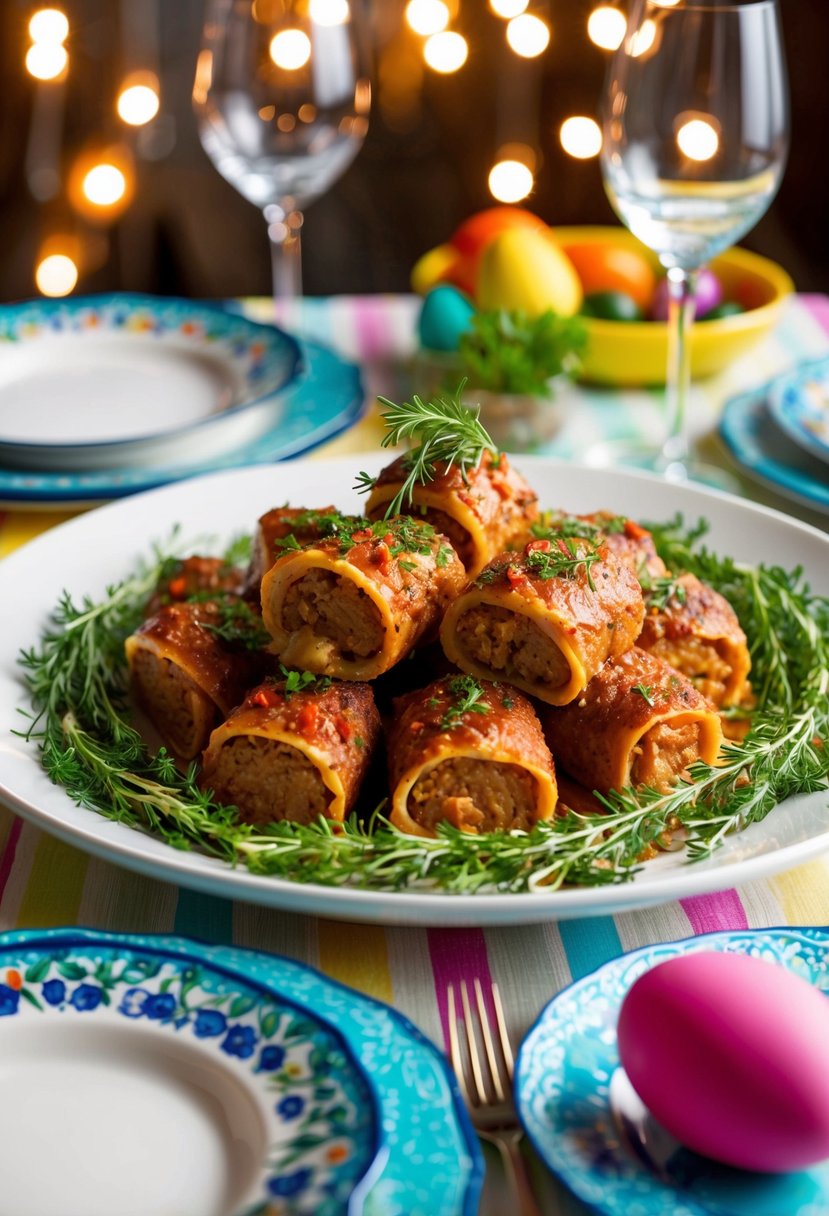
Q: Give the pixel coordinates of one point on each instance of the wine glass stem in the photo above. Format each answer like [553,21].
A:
[284,224]
[681,301]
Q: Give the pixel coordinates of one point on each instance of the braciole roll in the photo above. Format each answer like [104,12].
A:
[294,753]
[469,753]
[638,723]
[353,605]
[545,619]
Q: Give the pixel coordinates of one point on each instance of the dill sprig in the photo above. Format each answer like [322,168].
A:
[76,678]
[446,432]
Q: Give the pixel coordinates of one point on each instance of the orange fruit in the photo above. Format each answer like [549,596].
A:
[604,266]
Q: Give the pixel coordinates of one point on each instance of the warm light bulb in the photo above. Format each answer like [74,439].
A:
[427,17]
[697,139]
[138,104]
[606,27]
[104,185]
[290,49]
[49,25]
[581,137]
[46,60]
[329,12]
[510,181]
[528,36]
[508,8]
[446,52]
[643,39]
[56,275]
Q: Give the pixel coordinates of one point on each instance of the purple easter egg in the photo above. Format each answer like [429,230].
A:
[709,294]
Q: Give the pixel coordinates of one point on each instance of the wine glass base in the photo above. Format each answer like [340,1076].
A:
[625,453]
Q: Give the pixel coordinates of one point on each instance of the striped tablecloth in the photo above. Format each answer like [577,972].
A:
[44,882]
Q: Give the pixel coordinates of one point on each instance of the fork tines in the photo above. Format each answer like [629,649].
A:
[482,1086]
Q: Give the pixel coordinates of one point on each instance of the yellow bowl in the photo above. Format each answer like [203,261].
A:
[635,352]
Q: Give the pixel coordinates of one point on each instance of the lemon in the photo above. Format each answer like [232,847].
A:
[525,270]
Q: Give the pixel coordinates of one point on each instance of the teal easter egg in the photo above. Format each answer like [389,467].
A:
[445,315]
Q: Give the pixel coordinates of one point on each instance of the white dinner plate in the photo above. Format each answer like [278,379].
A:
[96,550]
[119,381]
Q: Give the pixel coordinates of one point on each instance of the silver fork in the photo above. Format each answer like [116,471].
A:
[485,1079]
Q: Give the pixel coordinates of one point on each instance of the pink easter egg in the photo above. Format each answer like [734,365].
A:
[730,1053]
[709,294]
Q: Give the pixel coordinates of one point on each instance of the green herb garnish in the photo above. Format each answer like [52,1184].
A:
[446,432]
[564,559]
[509,352]
[645,693]
[236,623]
[466,693]
[660,590]
[301,681]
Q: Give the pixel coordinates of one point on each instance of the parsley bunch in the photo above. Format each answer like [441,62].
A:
[509,352]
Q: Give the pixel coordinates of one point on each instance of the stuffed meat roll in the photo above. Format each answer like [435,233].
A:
[545,620]
[291,752]
[354,605]
[190,664]
[696,630]
[285,528]
[195,578]
[638,723]
[480,513]
[471,754]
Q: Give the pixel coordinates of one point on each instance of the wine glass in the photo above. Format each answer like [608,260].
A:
[695,120]
[282,97]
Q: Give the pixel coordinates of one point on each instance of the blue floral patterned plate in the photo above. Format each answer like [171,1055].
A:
[799,404]
[160,1075]
[562,1082]
[292,396]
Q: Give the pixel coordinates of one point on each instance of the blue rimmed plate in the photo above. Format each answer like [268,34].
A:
[563,1077]
[323,399]
[165,1075]
[764,451]
[799,404]
[106,382]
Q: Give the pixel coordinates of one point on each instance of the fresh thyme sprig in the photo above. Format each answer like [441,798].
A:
[446,432]
[77,683]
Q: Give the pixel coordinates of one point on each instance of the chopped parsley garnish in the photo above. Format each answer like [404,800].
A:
[236,623]
[661,590]
[552,524]
[466,693]
[565,559]
[644,692]
[302,681]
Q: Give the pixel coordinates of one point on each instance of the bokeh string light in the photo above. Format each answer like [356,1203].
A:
[105,186]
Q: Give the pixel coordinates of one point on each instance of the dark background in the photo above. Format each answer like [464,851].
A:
[419,173]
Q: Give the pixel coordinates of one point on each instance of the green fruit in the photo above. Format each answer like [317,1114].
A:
[611,306]
[728,308]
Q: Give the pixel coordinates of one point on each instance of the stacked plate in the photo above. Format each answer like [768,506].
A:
[105,395]
[164,1075]
[780,433]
